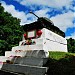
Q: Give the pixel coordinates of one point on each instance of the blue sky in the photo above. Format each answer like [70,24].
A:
[61,12]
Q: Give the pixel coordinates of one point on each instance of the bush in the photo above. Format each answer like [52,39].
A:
[61,64]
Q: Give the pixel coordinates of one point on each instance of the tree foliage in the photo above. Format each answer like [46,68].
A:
[71,45]
[10,31]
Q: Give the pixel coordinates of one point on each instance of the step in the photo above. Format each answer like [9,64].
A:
[24,69]
[28,47]
[32,61]
[31,53]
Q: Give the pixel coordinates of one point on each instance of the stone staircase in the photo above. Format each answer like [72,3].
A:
[28,65]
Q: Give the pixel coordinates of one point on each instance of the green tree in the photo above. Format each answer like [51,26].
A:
[10,31]
[71,45]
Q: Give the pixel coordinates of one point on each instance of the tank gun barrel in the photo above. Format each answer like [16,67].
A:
[33,14]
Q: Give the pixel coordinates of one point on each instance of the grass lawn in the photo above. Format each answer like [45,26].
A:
[59,55]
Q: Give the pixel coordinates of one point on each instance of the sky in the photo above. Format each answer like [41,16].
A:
[61,12]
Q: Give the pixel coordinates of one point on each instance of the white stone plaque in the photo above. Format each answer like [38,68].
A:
[31,34]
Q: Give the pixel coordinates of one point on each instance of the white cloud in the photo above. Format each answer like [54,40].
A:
[42,12]
[24,17]
[15,13]
[63,21]
[49,3]
[30,18]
